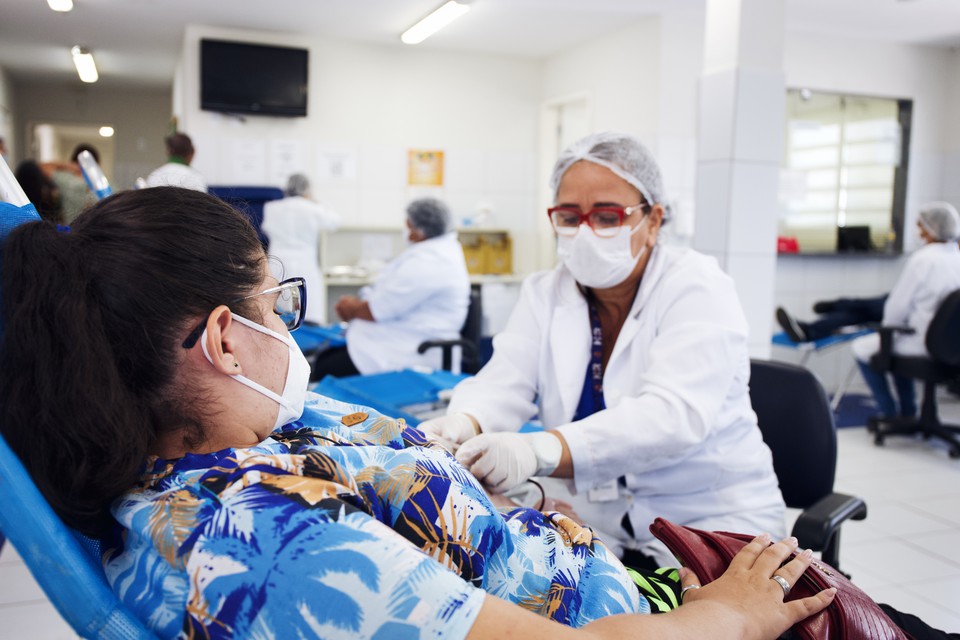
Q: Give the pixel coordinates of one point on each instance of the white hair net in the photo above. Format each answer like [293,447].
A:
[297,185]
[941,220]
[622,154]
[429,215]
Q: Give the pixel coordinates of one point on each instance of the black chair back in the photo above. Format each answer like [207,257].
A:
[943,334]
[797,424]
[471,332]
[469,340]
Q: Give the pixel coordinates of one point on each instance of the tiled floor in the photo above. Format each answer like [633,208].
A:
[906,553]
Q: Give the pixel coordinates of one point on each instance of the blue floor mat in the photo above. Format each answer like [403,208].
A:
[854,410]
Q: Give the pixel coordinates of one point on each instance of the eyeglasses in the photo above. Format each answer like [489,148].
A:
[605,220]
[290,305]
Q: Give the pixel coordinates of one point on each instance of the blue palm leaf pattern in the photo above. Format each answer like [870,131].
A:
[325,531]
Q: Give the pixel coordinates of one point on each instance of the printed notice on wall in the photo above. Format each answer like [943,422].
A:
[286,158]
[425,168]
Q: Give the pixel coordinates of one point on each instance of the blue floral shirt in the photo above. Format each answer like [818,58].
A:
[336,529]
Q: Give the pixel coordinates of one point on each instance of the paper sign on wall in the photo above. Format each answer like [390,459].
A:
[424,168]
[286,158]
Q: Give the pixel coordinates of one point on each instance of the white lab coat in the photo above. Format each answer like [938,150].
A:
[420,295]
[293,226]
[930,274]
[678,426]
[174,174]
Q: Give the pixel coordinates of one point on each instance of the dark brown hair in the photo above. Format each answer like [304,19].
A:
[93,323]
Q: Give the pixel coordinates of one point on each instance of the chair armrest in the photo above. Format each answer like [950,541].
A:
[818,527]
[881,360]
[468,349]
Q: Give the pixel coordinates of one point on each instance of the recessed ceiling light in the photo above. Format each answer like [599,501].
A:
[106,131]
[86,67]
[61,5]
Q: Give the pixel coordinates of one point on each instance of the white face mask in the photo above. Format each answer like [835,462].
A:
[298,375]
[599,262]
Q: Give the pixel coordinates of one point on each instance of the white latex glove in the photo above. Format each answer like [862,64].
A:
[501,461]
[450,431]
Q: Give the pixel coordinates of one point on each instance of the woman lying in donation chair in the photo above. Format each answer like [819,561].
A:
[152,389]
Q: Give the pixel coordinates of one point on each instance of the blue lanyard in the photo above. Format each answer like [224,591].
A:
[591,398]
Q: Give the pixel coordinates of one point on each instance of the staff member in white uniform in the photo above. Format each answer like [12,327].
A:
[177,172]
[293,225]
[929,275]
[635,356]
[422,294]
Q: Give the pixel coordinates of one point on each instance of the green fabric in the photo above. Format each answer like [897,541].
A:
[661,588]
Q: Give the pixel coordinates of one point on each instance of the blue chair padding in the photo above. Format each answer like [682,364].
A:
[70,574]
[783,340]
[64,563]
[390,392]
[249,201]
[311,337]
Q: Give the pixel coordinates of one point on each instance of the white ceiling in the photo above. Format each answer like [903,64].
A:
[138,41]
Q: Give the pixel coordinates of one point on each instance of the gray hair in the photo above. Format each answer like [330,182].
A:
[941,220]
[297,185]
[429,216]
[622,154]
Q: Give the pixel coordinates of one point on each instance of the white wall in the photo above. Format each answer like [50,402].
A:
[369,105]
[7,130]
[950,187]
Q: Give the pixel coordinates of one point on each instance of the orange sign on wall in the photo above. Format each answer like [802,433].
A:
[425,168]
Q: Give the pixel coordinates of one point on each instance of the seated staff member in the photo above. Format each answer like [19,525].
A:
[421,294]
[930,274]
[634,355]
[157,399]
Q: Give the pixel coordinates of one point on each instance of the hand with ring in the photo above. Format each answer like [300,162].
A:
[751,594]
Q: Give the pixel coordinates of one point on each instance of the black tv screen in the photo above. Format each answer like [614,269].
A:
[238,77]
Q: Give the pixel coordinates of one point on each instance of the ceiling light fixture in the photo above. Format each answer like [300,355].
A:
[61,5]
[106,131]
[435,21]
[86,67]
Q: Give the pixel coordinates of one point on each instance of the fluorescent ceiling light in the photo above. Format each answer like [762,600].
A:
[86,67]
[106,132]
[61,5]
[435,21]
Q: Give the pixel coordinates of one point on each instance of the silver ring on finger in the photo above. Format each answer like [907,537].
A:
[780,580]
[687,588]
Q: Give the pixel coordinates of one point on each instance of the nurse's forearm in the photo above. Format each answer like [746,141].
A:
[565,468]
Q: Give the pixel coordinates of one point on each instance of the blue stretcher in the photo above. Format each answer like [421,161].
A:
[409,394]
[823,344]
[312,337]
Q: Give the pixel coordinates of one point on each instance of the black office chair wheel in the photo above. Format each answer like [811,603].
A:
[878,440]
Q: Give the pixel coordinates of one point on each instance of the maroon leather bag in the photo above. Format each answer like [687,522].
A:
[852,615]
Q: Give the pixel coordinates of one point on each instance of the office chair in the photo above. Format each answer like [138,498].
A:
[469,341]
[797,424]
[941,366]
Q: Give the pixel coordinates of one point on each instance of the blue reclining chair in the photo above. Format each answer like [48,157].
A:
[64,563]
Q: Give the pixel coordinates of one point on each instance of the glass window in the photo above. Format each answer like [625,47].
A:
[843,182]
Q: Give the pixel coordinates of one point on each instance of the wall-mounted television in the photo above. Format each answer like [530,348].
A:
[240,77]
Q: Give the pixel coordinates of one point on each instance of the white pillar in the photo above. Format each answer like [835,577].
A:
[739,150]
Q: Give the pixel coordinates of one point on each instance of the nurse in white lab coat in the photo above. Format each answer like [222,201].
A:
[635,355]
[421,294]
[929,275]
[293,225]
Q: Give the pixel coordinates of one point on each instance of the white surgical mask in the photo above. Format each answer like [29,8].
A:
[298,375]
[599,262]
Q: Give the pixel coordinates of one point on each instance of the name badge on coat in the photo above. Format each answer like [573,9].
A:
[604,493]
